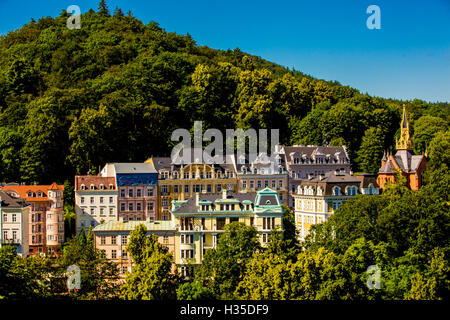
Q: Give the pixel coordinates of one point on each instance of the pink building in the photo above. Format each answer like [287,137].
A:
[46,221]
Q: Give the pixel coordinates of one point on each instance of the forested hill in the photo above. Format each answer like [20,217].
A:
[115,89]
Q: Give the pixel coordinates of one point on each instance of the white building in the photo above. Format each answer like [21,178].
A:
[95,201]
[14,215]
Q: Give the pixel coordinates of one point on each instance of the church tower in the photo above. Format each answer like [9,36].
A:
[405,142]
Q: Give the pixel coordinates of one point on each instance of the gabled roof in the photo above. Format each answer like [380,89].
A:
[23,191]
[10,202]
[405,160]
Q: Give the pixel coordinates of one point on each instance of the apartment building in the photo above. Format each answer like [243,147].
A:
[46,221]
[95,201]
[137,190]
[14,224]
[200,220]
[305,162]
[182,181]
[260,172]
[112,237]
[318,198]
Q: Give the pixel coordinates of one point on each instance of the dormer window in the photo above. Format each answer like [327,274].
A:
[336,191]
[92,187]
[29,194]
[39,194]
[83,187]
[102,187]
[111,186]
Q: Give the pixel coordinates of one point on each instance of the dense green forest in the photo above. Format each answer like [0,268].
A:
[114,90]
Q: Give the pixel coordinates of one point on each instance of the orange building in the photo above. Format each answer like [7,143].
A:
[46,221]
[411,166]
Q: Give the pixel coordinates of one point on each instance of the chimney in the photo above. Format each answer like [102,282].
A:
[224,193]
[197,198]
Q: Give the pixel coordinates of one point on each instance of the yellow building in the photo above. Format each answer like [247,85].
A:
[180,182]
[200,220]
[316,199]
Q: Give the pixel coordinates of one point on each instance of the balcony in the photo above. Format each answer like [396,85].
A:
[11,242]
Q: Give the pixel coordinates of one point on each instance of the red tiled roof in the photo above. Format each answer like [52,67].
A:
[23,190]
[96,181]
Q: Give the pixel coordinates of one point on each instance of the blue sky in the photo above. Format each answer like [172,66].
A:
[409,57]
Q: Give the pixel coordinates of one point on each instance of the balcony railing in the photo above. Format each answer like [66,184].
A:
[10,241]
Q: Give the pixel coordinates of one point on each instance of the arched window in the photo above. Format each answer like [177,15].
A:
[319,191]
[29,194]
[92,187]
[83,187]
[336,191]
[102,187]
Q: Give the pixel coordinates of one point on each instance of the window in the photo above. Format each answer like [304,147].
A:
[102,187]
[252,184]
[259,184]
[149,192]
[111,199]
[124,254]
[280,184]
[102,240]
[130,207]
[175,189]
[92,187]
[130,193]
[92,200]
[5,234]
[208,188]
[14,234]
[102,211]
[165,203]
[186,175]
[164,188]
[208,175]
[92,211]
[82,200]
[138,193]
[138,206]
[113,239]
[113,254]
[265,238]
[187,254]
[244,184]
[187,238]
[219,188]
[122,193]
[336,191]
[30,194]
[186,188]
[111,186]
[124,239]
[83,187]
[274,184]
[165,240]
[268,223]
[101,199]
[14,217]
[266,183]
[150,206]
[122,206]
